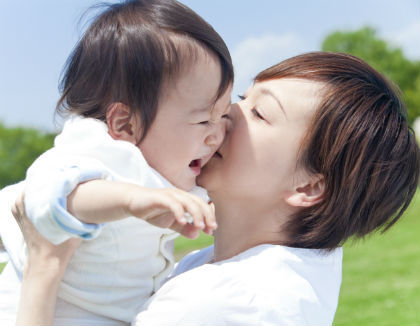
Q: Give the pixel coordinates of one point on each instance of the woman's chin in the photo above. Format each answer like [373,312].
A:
[206,178]
[201,180]
[210,175]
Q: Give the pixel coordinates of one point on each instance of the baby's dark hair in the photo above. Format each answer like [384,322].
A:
[129,51]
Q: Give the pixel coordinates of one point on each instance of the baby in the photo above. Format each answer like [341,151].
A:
[147,91]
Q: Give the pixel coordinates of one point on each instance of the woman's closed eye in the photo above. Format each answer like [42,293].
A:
[254,111]
[257,114]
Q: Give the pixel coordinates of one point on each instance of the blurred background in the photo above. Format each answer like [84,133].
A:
[381,275]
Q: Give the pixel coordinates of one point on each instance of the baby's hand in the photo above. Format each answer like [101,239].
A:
[173,208]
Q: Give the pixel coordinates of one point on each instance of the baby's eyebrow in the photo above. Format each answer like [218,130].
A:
[203,109]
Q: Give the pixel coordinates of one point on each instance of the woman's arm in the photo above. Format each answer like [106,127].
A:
[42,274]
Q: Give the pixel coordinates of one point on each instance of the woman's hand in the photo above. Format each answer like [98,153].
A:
[43,271]
[39,248]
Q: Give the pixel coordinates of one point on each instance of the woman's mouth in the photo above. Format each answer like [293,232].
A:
[195,166]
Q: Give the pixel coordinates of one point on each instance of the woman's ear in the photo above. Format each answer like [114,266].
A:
[308,193]
[122,125]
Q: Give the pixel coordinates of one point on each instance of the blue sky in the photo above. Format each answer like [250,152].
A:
[37,36]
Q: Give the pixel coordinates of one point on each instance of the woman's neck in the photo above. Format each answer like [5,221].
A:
[243,225]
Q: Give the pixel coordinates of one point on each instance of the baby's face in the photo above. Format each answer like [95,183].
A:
[189,126]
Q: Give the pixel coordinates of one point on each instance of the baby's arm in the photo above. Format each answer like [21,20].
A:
[49,181]
[100,201]
[56,181]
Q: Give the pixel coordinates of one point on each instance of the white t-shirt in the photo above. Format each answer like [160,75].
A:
[265,285]
[127,260]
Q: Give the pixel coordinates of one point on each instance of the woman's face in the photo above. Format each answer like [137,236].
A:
[258,157]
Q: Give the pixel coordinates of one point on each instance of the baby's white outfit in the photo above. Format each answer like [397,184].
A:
[122,263]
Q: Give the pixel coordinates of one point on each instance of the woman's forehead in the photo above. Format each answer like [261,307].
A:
[285,82]
[288,92]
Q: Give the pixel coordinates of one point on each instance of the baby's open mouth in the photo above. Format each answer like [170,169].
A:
[195,163]
[195,166]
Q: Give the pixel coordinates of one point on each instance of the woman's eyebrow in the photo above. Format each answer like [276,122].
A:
[266,91]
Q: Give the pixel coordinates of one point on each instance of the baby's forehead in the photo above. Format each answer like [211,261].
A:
[213,110]
[206,109]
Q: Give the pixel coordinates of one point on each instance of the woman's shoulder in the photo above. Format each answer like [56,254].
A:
[267,283]
[298,285]
[265,257]
[274,257]
[270,267]
[285,285]
[277,255]
[264,268]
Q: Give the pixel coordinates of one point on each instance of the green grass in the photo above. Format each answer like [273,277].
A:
[381,276]
[183,245]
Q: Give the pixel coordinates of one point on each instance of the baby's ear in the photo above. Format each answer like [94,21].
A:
[122,125]
[307,193]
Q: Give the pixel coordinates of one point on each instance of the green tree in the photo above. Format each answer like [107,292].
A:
[19,147]
[389,60]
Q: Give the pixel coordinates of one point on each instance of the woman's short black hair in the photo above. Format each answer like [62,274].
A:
[360,141]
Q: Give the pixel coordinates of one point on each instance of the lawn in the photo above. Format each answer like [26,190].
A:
[381,277]
[183,245]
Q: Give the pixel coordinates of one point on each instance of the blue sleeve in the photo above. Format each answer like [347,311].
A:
[70,178]
[46,201]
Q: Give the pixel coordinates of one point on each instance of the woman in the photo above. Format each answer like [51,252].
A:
[319,151]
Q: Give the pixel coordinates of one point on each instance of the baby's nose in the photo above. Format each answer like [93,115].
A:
[217,134]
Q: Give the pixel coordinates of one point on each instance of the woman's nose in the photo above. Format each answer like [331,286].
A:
[235,113]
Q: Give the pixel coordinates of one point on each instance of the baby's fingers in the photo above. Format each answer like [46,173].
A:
[188,230]
[177,209]
[210,219]
[188,209]
[194,213]
[185,211]
[207,212]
